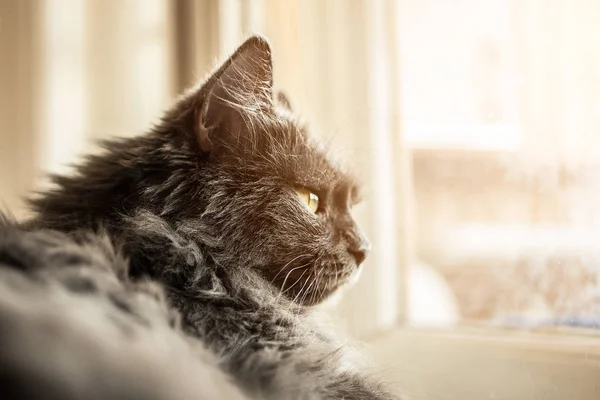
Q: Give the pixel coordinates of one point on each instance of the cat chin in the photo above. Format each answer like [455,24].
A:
[354,277]
[335,298]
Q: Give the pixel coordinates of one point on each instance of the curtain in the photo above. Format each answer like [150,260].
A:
[74,71]
[19,83]
[560,98]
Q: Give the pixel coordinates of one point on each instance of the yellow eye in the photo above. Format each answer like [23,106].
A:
[309,198]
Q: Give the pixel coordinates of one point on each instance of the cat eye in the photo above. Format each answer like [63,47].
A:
[309,198]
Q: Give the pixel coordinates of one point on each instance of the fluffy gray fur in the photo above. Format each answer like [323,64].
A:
[206,204]
[73,326]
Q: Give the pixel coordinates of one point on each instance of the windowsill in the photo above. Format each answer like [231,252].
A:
[475,363]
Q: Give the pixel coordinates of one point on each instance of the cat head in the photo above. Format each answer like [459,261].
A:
[232,168]
[266,188]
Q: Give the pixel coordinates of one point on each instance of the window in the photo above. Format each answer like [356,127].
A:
[500,113]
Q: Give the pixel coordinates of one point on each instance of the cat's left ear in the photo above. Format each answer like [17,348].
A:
[240,88]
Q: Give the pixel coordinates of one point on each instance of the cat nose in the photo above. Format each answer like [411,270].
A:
[360,252]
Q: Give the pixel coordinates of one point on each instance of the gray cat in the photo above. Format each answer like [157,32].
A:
[233,210]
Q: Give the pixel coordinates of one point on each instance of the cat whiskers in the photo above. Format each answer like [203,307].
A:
[302,293]
[307,291]
[317,275]
[283,290]
[295,283]
[318,282]
[282,269]
[294,305]
[315,282]
[328,279]
[285,266]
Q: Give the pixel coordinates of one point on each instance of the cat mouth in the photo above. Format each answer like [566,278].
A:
[332,283]
[313,284]
[344,274]
[348,277]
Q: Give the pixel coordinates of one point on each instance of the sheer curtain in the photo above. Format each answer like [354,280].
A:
[73,71]
[19,85]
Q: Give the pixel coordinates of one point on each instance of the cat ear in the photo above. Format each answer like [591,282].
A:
[241,87]
[284,101]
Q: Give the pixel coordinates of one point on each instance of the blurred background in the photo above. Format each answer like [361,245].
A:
[475,125]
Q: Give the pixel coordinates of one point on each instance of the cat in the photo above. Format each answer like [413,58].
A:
[236,209]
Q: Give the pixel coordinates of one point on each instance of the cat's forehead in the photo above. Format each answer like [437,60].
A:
[306,158]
